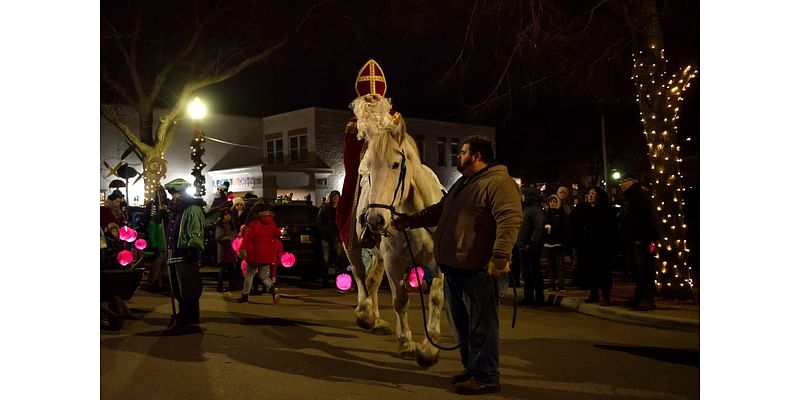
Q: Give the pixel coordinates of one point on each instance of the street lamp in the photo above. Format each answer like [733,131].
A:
[616,175]
[197,110]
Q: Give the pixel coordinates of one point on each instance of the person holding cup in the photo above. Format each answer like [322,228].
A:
[556,232]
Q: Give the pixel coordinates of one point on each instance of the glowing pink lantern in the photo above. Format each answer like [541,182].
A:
[344,281]
[124,233]
[124,257]
[413,279]
[652,247]
[244,268]
[127,234]
[236,243]
[287,259]
[140,244]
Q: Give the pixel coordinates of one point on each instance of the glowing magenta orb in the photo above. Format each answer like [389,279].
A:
[236,243]
[140,244]
[244,268]
[124,257]
[652,247]
[127,234]
[287,259]
[344,281]
[413,279]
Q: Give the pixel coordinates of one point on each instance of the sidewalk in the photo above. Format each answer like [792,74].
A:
[669,314]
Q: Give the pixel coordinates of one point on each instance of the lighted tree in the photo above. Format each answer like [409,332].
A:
[547,53]
[659,94]
[160,54]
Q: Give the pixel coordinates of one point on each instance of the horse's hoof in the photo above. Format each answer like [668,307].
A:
[365,323]
[382,328]
[427,360]
[408,351]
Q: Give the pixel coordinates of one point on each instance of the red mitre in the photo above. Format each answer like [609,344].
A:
[370,80]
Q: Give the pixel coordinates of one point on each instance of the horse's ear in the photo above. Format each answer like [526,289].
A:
[399,129]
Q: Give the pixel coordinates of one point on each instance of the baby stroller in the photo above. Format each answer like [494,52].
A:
[117,285]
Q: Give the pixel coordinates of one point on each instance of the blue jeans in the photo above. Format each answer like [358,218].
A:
[471,299]
[263,274]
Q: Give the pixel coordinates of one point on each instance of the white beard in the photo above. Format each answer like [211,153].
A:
[373,118]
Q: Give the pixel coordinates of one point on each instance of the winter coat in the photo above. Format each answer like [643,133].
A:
[531,232]
[637,217]
[479,217]
[326,221]
[186,225]
[594,229]
[224,233]
[559,226]
[257,243]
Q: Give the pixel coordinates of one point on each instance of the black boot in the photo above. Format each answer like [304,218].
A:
[592,296]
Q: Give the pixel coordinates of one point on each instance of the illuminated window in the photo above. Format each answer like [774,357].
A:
[455,148]
[440,146]
[420,146]
[274,151]
[298,146]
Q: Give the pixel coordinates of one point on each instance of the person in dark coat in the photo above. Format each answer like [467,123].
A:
[595,233]
[224,233]
[529,245]
[638,227]
[556,233]
[326,220]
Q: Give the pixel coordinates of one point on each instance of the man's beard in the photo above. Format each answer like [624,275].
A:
[373,117]
[463,164]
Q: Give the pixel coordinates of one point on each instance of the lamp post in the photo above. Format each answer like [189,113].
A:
[197,110]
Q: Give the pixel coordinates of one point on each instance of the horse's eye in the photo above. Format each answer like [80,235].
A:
[396,165]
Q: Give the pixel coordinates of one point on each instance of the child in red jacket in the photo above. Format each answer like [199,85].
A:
[258,249]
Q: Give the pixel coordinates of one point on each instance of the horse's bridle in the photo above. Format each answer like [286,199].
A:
[400,187]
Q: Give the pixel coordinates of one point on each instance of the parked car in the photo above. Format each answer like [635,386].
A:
[301,236]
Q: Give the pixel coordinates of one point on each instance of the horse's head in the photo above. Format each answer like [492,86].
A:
[386,164]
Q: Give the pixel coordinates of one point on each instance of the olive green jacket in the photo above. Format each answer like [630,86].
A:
[479,217]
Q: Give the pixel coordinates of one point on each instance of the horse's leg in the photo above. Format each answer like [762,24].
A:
[427,353]
[365,315]
[374,278]
[394,272]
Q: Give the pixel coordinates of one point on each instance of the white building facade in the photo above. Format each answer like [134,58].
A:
[297,153]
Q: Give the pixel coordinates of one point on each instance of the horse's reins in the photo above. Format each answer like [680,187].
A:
[401,187]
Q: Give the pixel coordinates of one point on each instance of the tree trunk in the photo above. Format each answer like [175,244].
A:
[659,95]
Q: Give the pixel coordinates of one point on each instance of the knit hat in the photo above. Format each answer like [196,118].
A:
[238,200]
[563,189]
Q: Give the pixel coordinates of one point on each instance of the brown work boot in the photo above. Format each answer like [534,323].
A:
[462,377]
[473,386]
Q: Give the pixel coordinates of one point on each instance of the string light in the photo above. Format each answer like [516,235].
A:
[658,96]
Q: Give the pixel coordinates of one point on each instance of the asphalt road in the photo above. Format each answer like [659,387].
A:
[308,347]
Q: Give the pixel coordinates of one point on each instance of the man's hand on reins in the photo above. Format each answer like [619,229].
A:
[402,222]
[499,265]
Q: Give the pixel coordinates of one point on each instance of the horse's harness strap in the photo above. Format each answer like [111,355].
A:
[400,186]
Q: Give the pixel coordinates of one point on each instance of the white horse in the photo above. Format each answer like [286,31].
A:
[394,180]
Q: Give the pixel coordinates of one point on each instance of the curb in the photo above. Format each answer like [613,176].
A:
[624,315]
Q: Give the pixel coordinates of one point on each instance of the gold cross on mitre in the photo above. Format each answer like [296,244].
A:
[371,80]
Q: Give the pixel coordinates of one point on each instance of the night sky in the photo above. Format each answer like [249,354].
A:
[543,85]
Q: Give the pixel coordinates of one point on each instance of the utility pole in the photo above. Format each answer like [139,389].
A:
[605,157]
